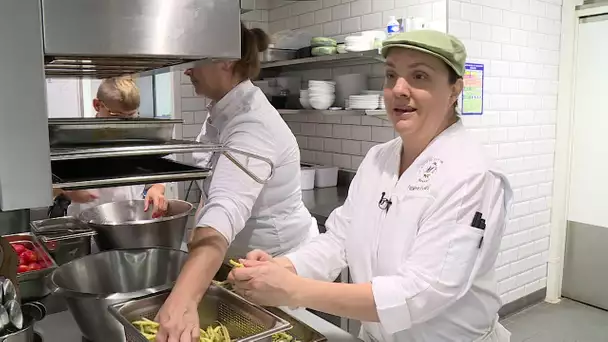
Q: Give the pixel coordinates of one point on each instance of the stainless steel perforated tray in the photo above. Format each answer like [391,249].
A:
[246,322]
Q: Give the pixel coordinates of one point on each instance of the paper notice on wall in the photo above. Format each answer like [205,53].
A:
[472,93]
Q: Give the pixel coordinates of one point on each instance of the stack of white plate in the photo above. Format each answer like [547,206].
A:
[370,101]
[321,94]
[359,43]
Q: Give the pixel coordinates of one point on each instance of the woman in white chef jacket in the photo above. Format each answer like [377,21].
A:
[116,97]
[422,263]
[238,214]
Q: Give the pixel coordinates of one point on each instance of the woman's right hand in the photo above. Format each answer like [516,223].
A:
[178,319]
[258,255]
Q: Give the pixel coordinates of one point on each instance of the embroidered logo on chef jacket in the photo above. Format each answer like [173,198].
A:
[425,173]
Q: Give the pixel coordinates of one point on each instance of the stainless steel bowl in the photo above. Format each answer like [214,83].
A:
[125,224]
[94,282]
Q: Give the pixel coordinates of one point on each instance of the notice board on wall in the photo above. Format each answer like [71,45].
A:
[472,92]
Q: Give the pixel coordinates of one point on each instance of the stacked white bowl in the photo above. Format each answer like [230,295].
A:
[321,94]
[304,99]
[369,101]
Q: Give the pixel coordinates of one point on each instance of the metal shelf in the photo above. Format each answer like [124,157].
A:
[130,150]
[319,62]
[380,113]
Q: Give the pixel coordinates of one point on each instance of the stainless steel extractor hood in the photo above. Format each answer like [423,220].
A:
[100,39]
[89,38]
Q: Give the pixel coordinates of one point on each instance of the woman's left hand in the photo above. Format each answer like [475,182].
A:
[265,283]
[156,197]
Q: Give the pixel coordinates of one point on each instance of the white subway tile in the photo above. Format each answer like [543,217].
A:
[331,3]
[315,143]
[351,147]
[372,21]
[382,134]
[324,130]
[491,50]
[306,19]
[521,6]
[322,16]
[193,104]
[342,160]
[510,52]
[471,12]
[382,5]
[511,19]
[371,121]
[340,12]
[440,11]
[332,145]
[491,16]
[481,32]
[501,34]
[459,28]
[360,7]
[519,37]
[332,28]
[342,131]
[351,25]
[324,158]
[538,8]
[302,141]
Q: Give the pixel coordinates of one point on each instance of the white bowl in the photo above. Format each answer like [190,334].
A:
[305,102]
[326,176]
[322,103]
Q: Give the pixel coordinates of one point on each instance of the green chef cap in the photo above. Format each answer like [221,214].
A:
[441,45]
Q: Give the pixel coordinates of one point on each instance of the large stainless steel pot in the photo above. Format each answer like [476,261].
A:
[94,282]
[32,313]
[125,224]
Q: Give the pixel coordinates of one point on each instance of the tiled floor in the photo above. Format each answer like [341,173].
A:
[567,321]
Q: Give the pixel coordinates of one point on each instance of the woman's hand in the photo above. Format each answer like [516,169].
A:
[178,319]
[81,196]
[259,255]
[156,197]
[265,283]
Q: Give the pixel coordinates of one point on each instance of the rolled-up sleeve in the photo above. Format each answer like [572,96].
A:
[324,257]
[445,252]
[232,193]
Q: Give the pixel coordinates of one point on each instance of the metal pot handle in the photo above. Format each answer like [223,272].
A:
[226,151]
[35,309]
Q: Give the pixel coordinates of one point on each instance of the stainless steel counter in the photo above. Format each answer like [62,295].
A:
[61,327]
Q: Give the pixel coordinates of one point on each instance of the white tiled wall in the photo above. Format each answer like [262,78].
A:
[518,41]
[343,141]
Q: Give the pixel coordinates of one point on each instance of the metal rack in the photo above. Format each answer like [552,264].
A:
[319,62]
[115,165]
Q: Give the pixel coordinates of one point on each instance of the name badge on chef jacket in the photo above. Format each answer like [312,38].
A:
[425,173]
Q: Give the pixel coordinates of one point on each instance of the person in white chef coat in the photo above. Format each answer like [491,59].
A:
[237,213]
[116,97]
[421,227]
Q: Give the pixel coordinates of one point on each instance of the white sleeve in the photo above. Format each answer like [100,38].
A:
[324,257]
[232,193]
[441,264]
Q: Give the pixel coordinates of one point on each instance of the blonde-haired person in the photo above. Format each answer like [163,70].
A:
[422,223]
[117,97]
[238,214]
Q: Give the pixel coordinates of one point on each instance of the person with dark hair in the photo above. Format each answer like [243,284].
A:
[421,227]
[238,214]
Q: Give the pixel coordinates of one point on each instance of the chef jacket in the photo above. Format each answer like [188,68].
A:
[431,273]
[250,215]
